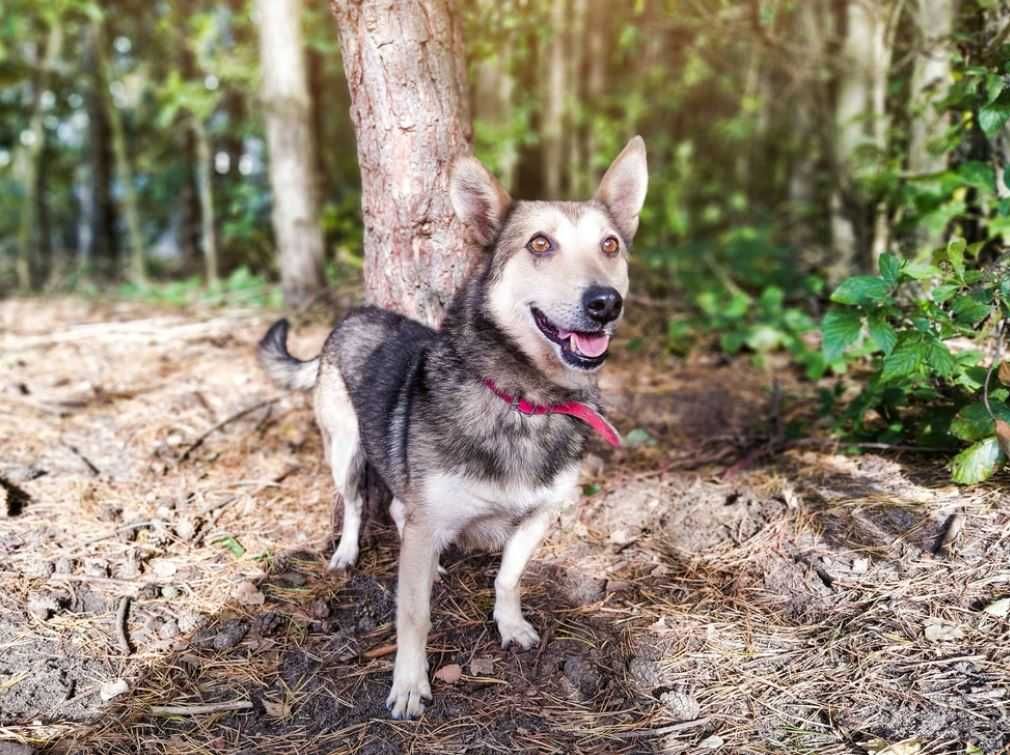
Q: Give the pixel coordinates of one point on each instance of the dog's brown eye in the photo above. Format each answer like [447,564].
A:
[539,244]
[610,245]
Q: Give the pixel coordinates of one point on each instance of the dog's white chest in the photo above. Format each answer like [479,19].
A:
[456,504]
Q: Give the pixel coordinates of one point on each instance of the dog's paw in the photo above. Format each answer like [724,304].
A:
[407,694]
[519,631]
[343,558]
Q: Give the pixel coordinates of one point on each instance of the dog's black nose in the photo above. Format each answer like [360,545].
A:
[602,303]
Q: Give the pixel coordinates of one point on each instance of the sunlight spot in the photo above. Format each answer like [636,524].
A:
[222,162]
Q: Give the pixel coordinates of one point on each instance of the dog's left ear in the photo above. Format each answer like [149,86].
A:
[478,199]
[624,185]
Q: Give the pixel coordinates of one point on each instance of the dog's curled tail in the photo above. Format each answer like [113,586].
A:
[283,369]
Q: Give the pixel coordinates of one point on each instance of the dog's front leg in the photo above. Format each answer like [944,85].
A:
[518,551]
[413,619]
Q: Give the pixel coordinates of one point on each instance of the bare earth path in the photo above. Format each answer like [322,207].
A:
[164,520]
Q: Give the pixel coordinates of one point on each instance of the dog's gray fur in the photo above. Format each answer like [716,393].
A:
[408,403]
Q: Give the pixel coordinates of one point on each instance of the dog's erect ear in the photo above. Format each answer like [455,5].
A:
[624,185]
[478,199]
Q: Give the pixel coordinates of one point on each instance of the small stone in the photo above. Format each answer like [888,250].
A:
[164,568]
[185,529]
[998,608]
[170,592]
[230,634]
[96,567]
[267,624]
[680,705]
[712,743]
[622,537]
[112,689]
[188,620]
[63,566]
[483,666]
[169,630]
[42,605]
[940,632]
[583,674]
[860,565]
[319,609]
[248,594]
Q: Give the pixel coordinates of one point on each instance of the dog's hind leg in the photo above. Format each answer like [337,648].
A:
[339,426]
[520,547]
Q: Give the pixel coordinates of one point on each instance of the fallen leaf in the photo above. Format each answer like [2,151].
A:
[248,594]
[1004,373]
[277,710]
[234,546]
[999,608]
[860,565]
[1003,435]
[450,674]
[113,688]
[639,437]
[483,666]
[940,632]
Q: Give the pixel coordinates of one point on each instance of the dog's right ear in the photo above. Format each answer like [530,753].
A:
[478,199]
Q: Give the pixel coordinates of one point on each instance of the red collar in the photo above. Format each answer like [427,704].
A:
[576,409]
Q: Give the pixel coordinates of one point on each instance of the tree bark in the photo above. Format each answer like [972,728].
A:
[859,230]
[288,116]
[137,271]
[205,191]
[30,237]
[409,104]
[553,110]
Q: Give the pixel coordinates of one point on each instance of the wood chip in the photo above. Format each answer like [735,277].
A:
[450,674]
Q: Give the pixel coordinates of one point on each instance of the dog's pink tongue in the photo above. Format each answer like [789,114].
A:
[590,345]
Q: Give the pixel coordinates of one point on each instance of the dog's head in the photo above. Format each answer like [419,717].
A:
[559,272]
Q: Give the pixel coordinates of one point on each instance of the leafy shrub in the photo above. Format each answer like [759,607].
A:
[923,328]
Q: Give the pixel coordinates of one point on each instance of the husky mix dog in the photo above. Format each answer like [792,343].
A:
[477,429]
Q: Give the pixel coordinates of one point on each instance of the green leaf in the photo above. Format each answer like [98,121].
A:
[233,545]
[840,329]
[940,294]
[978,462]
[862,289]
[969,310]
[955,254]
[973,422]
[920,271]
[882,333]
[939,358]
[639,437]
[890,267]
[993,116]
[906,359]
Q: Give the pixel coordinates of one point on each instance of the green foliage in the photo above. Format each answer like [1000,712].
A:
[240,288]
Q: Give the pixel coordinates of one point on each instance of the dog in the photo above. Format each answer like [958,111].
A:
[476,429]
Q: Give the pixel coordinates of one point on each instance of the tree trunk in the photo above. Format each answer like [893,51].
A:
[858,229]
[102,249]
[288,117]
[30,233]
[137,272]
[578,177]
[552,127]
[205,191]
[596,82]
[407,79]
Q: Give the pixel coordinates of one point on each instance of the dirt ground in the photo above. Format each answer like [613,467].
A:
[165,520]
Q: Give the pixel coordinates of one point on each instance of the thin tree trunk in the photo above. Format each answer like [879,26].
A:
[137,272]
[102,244]
[29,232]
[205,191]
[858,230]
[578,179]
[596,81]
[552,126]
[288,116]
[406,74]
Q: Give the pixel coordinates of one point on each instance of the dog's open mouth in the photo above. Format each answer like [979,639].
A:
[578,348]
